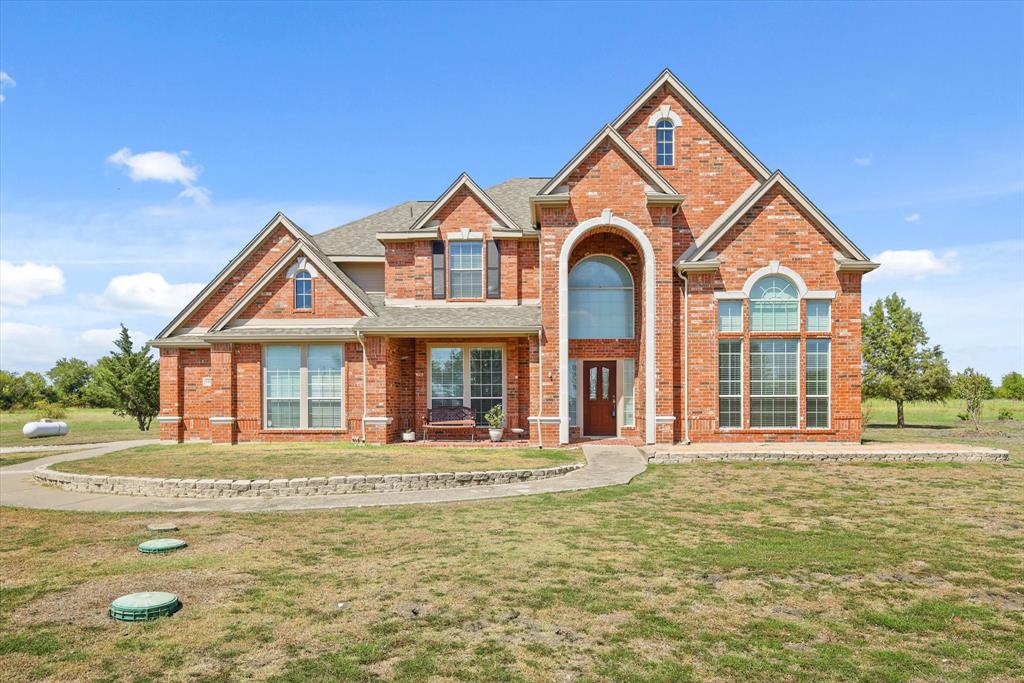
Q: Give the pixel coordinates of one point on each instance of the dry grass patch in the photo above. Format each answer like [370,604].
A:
[289,460]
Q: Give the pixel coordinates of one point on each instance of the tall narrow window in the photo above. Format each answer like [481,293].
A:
[447,379]
[303,291]
[819,316]
[437,269]
[730,316]
[282,368]
[574,420]
[600,300]
[818,381]
[493,270]
[730,384]
[628,391]
[665,143]
[323,369]
[773,384]
[774,306]
[486,385]
[465,270]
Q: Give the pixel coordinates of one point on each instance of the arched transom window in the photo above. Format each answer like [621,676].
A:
[600,299]
[665,151]
[774,305]
[303,291]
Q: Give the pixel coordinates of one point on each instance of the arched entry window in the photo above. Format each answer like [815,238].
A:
[600,299]
[774,305]
[303,291]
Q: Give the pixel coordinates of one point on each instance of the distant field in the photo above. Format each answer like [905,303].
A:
[920,414]
[88,425]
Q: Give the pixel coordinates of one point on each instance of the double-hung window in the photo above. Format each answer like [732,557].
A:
[730,384]
[467,376]
[303,386]
[773,384]
[818,384]
[465,270]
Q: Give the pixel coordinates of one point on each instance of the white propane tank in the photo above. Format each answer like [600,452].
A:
[44,427]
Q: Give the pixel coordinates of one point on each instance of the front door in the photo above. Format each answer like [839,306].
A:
[599,398]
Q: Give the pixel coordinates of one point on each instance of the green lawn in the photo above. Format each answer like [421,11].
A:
[16,458]
[940,414]
[87,425]
[288,460]
[707,571]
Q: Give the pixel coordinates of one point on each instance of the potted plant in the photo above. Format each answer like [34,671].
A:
[408,435]
[496,420]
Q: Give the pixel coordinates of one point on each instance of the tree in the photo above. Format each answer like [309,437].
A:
[974,388]
[130,380]
[70,376]
[1012,386]
[16,391]
[898,363]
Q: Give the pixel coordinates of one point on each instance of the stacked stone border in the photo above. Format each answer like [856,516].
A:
[976,455]
[302,486]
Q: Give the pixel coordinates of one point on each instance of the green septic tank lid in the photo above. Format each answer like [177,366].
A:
[161,545]
[144,606]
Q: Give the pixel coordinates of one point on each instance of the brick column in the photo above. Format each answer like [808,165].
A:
[222,405]
[172,404]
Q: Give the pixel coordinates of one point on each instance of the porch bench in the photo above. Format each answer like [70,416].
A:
[450,417]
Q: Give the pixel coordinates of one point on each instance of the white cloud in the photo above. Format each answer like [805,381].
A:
[22,283]
[5,82]
[29,347]
[913,218]
[915,264]
[147,293]
[164,167]
[864,161]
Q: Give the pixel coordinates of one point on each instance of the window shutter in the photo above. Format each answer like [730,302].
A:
[493,270]
[437,268]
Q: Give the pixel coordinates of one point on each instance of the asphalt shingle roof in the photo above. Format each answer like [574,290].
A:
[453,317]
[358,238]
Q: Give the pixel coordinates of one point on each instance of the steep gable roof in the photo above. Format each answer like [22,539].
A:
[720,228]
[467,183]
[301,236]
[609,134]
[668,78]
[328,269]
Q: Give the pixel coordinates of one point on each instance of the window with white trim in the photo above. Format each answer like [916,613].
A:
[628,393]
[819,315]
[665,134]
[600,299]
[773,384]
[818,385]
[730,384]
[472,376]
[730,316]
[303,291]
[573,403]
[303,386]
[465,270]
[774,305]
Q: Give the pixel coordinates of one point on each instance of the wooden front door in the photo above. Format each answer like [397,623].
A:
[599,398]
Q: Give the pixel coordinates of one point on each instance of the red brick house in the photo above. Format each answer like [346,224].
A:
[662,286]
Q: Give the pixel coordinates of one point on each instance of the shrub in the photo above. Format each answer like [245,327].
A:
[52,411]
[495,417]
[973,387]
[1005,414]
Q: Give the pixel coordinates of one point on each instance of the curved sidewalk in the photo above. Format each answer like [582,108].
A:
[606,466]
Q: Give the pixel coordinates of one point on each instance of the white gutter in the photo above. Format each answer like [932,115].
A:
[362,422]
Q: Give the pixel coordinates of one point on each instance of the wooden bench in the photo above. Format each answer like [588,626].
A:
[450,417]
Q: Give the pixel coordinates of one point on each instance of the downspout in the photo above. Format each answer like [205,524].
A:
[686,357]
[363,422]
[540,388]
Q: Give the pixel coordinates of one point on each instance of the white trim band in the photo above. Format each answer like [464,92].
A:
[222,420]
[168,419]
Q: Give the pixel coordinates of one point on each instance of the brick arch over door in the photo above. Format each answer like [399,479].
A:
[647,250]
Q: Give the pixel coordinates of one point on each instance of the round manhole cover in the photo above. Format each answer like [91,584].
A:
[161,545]
[144,606]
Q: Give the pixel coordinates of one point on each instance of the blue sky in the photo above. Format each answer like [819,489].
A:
[903,122]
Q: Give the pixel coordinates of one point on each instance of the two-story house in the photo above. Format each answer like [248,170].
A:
[662,286]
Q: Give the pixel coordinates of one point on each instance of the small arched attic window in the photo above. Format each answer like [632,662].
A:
[665,143]
[303,291]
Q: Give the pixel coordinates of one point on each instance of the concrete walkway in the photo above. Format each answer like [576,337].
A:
[606,466]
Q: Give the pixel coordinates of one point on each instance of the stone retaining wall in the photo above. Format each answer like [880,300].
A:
[304,486]
[978,455]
